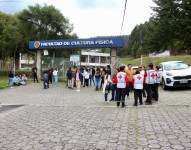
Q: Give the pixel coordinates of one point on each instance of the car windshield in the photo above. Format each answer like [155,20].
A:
[175,66]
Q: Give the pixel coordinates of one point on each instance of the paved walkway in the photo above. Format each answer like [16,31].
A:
[59,119]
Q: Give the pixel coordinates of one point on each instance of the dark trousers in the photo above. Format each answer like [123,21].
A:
[113,91]
[46,84]
[86,82]
[129,89]
[120,96]
[138,95]
[144,91]
[107,90]
[155,92]
[50,79]
[149,89]
[102,82]
[92,80]
[35,78]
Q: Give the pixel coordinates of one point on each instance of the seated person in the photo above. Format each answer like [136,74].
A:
[16,80]
[23,79]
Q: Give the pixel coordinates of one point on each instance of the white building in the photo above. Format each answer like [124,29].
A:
[93,58]
[25,61]
[161,54]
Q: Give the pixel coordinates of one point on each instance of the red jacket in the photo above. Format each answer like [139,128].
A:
[114,79]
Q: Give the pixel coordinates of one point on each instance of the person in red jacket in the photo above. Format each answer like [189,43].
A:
[122,84]
[114,85]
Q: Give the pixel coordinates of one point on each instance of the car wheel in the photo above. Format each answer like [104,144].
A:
[164,85]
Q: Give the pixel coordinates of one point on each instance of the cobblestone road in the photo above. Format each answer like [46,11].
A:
[59,119]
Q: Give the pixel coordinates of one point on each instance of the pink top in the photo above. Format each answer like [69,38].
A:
[77,76]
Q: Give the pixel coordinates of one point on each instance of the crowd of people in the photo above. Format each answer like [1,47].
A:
[120,82]
[143,82]
[83,76]
[16,79]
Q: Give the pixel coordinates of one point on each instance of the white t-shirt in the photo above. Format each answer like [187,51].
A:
[55,72]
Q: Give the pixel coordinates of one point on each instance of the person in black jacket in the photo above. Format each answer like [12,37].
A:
[34,74]
[69,77]
[11,76]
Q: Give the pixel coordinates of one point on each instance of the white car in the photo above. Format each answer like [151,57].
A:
[175,74]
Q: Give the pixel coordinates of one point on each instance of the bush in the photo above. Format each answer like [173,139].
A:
[19,72]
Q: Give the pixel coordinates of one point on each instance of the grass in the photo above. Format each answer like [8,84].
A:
[3,82]
[155,60]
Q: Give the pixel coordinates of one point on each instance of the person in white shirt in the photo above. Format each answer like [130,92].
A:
[149,83]
[86,77]
[157,83]
[122,85]
[107,85]
[55,75]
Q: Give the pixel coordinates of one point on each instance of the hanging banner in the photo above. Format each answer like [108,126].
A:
[105,42]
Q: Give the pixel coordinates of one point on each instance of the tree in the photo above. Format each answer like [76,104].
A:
[45,22]
[10,36]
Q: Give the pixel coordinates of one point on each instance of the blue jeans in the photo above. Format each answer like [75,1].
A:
[97,83]
[113,91]
[10,81]
[55,79]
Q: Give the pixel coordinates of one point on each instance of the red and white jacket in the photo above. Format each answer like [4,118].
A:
[138,81]
[122,80]
[151,77]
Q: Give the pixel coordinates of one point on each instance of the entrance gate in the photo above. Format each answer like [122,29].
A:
[92,43]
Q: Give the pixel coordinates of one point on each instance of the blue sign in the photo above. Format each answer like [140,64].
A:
[104,42]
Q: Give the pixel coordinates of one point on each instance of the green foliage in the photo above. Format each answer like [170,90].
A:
[155,60]
[10,36]
[34,23]
[168,28]
[3,83]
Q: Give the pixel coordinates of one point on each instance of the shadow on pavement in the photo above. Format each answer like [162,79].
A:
[4,108]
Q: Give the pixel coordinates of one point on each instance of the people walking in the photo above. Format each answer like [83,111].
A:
[122,84]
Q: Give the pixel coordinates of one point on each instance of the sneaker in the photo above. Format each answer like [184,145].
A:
[77,90]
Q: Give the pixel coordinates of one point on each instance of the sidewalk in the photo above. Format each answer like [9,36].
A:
[60,118]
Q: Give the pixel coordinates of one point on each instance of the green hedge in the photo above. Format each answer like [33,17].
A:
[26,72]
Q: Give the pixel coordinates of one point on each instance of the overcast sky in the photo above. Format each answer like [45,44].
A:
[93,17]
